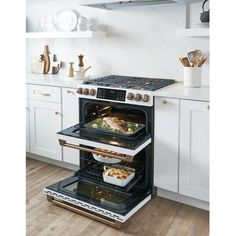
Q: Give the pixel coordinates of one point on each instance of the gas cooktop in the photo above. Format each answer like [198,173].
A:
[129,82]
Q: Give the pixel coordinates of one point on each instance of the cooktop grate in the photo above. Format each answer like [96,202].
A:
[129,82]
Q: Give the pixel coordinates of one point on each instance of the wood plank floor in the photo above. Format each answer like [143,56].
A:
[159,217]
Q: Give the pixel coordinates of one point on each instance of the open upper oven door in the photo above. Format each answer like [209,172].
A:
[87,140]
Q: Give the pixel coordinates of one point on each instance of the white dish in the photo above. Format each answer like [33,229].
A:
[106,160]
[116,181]
[65,20]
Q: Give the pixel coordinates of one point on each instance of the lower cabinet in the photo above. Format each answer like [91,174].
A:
[45,122]
[27,126]
[194,150]
[181,141]
[70,109]
[166,141]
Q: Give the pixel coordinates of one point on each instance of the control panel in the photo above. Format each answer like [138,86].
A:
[111,94]
[136,97]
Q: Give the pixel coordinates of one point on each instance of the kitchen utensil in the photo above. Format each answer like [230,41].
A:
[46,59]
[205,15]
[181,61]
[193,56]
[114,180]
[65,20]
[106,160]
[192,77]
[71,69]
[82,69]
[202,61]
[185,61]
[54,65]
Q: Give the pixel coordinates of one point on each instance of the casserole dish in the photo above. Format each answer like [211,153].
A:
[118,175]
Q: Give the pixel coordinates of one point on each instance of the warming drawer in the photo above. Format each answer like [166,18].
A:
[77,138]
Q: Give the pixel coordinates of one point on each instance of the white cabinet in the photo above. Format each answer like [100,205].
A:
[27,127]
[70,108]
[194,150]
[166,143]
[45,122]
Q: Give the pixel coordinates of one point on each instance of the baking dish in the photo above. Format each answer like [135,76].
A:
[114,180]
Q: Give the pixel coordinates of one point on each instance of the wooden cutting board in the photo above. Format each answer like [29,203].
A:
[46,59]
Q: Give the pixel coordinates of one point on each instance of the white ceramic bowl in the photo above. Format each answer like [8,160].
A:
[106,160]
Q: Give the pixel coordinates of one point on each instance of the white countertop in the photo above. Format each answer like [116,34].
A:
[176,90]
[53,80]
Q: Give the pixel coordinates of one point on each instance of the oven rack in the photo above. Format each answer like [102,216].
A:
[93,172]
[136,164]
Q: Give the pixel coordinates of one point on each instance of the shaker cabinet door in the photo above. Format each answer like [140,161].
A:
[45,122]
[194,149]
[27,126]
[166,143]
[70,107]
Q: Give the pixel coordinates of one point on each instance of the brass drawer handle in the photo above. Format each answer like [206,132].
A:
[164,102]
[45,94]
[208,107]
[57,113]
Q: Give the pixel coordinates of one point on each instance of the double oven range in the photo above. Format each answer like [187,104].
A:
[86,192]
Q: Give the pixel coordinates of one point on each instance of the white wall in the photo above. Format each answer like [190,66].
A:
[142,40]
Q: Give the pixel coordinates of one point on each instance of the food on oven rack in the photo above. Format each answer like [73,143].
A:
[114,124]
[118,173]
[104,158]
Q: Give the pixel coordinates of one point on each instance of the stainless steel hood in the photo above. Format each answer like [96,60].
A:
[115,4]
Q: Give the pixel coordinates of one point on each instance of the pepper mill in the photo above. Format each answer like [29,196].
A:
[82,70]
[71,69]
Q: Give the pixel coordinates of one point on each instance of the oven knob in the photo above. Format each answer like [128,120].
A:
[138,97]
[92,92]
[80,91]
[86,91]
[130,96]
[145,98]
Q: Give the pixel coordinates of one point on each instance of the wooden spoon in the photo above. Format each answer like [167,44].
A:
[186,61]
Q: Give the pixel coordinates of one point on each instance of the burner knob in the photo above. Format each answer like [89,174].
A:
[92,92]
[138,97]
[145,98]
[130,96]
[80,91]
[86,91]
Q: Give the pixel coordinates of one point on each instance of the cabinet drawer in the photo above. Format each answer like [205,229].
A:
[45,93]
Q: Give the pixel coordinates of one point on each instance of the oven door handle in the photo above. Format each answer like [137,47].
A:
[121,157]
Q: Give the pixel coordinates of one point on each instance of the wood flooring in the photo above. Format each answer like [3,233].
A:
[159,217]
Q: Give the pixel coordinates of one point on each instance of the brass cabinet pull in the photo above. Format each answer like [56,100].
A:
[57,113]
[122,157]
[164,102]
[45,94]
[70,92]
[208,107]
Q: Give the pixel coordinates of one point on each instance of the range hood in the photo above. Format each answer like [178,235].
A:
[115,4]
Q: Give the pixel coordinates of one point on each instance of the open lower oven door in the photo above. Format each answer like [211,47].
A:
[107,205]
[76,137]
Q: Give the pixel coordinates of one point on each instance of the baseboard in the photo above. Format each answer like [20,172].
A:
[53,162]
[183,199]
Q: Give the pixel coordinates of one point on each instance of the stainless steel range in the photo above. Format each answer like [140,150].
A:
[114,136]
